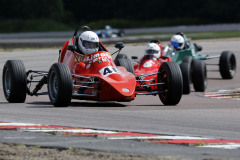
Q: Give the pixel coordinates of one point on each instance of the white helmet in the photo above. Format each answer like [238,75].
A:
[153,49]
[88,42]
[177,42]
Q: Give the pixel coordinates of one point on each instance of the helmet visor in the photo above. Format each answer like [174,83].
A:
[176,44]
[90,45]
[151,51]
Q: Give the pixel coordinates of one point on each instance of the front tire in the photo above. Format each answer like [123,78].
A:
[60,85]
[227,65]
[14,80]
[170,74]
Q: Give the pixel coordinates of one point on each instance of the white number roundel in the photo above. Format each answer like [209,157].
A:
[106,71]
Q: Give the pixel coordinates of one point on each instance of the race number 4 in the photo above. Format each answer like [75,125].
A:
[106,71]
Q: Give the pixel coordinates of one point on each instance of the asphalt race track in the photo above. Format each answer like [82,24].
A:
[195,116]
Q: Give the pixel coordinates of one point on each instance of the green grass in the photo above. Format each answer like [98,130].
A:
[159,22]
[206,35]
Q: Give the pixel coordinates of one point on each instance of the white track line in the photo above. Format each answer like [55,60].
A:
[159,137]
[19,124]
[222,146]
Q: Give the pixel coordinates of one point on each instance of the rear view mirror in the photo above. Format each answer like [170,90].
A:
[155,41]
[164,57]
[198,47]
[72,47]
[119,45]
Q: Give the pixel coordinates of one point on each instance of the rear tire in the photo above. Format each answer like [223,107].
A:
[187,76]
[14,80]
[126,63]
[170,74]
[187,59]
[199,76]
[227,65]
[186,67]
[119,56]
[121,33]
[60,85]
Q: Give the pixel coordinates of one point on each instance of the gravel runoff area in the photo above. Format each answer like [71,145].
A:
[22,152]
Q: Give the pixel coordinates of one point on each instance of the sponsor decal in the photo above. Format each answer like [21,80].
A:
[125,90]
[98,57]
[147,64]
[88,66]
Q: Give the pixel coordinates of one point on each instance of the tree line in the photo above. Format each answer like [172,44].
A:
[121,13]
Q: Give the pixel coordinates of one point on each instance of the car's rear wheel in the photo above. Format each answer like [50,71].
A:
[171,91]
[14,81]
[199,76]
[186,68]
[124,61]
[121,56]
[60,85]
[187,59]
[121,33]
[187,76]
[227,65]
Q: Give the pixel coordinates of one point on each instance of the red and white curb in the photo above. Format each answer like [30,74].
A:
[117,135]
[224,94]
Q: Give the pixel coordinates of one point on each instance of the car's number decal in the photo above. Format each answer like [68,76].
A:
[106,71]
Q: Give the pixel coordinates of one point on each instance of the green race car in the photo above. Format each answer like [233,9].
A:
[193,66]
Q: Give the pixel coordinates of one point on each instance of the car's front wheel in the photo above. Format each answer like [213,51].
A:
[60,85]
[14,81]
[170,75]
[227,65]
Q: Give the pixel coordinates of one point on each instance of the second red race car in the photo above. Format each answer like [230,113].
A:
[155,74]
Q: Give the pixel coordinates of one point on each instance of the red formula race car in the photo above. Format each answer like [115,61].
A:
[155,74]
[92,76]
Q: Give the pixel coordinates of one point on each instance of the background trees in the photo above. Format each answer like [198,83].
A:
[44,15]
